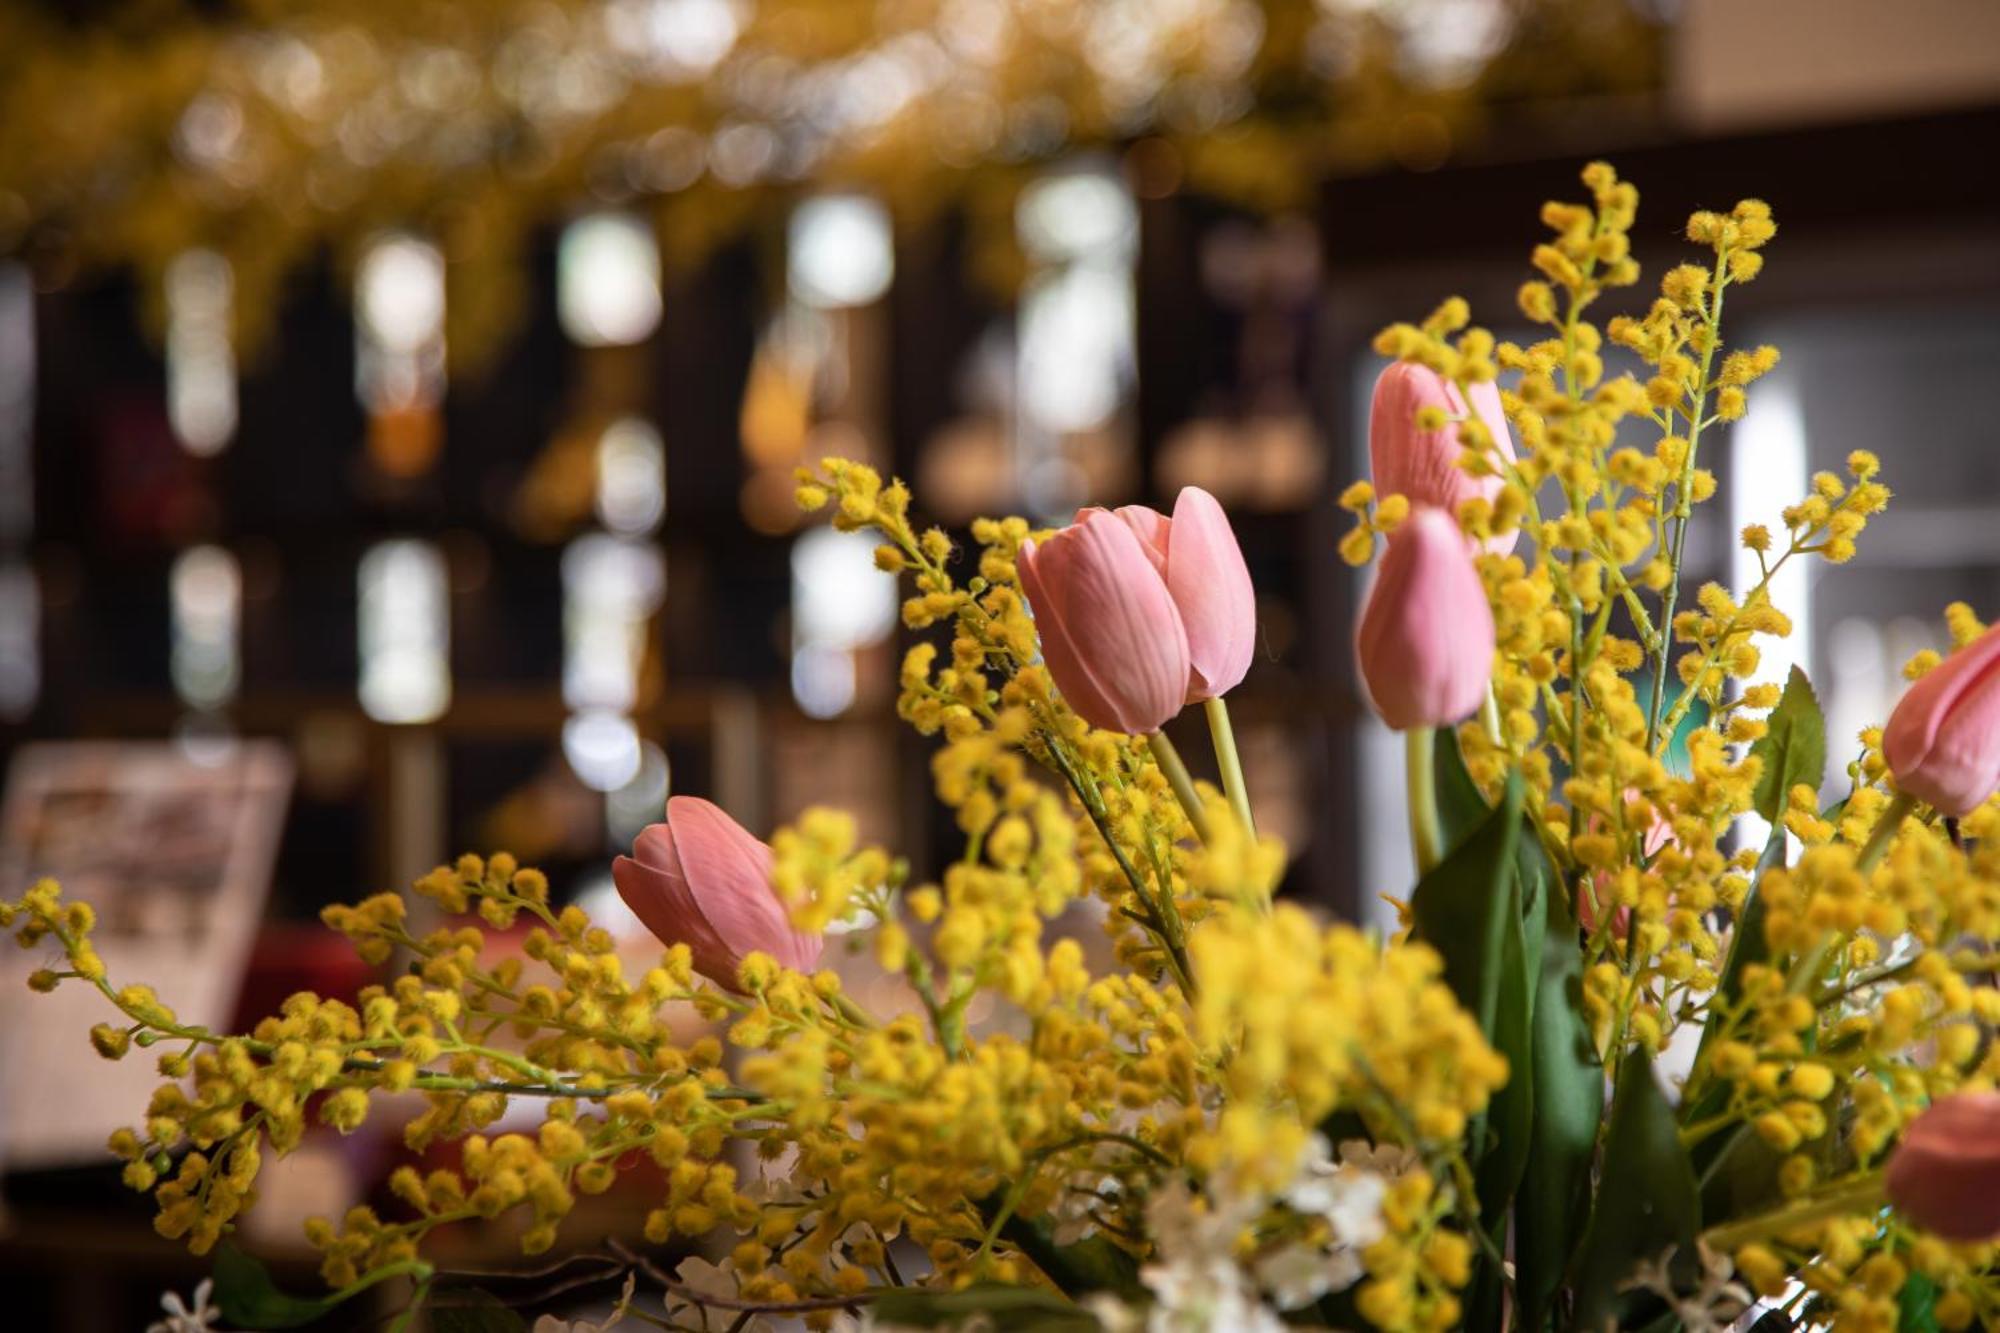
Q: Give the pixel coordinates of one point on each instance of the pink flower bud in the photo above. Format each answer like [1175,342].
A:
[1945,1175]
[1423,464]
[1111,635]
[1659,835]
[1426,637]
[1943,740]
[702,880]
[1196,553]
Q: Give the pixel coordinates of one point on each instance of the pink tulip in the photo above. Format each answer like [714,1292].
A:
[1426,637]
[1658,836]
[1943,740]
[1111,634]
[1945,1175]
[702,880]
[1423,464]
[1196,553]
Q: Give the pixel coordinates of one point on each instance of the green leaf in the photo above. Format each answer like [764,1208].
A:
[1469,908]
[1793,747]
[249,1298]
[1511,1114]
[1916,1306]
[1538,881]
[1569,1106]
[470,1310]
[1461,908]
[1461,808]
[1647,1201]
[1502,1134]
[996,1306]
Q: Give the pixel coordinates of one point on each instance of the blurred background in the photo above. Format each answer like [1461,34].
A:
[399,401]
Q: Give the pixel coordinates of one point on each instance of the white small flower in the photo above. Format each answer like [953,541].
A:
[1356,1210]
[1348,1195]
[180,1319]
[1076,1209]
[1384,1159]
[1113,1315]
[776,1184]
[1197,1285]
[1296,1275]
[1716,1306]
[704,1278]
[548,1323]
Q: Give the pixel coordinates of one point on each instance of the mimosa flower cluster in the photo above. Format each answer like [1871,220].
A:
[1619,1068]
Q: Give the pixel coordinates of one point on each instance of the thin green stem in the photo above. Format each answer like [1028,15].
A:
[1015,1194]
[1722,640]
[1737,1137]
[1169,760]
[1850,1196]
[1426,838]
[1683,508]
[1224,736]
[851,1011]
[1885,832]
[1162,917]
[417,1268]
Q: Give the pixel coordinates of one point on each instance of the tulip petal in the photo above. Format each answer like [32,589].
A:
[729,873]
[1154,530]
[1421,464]
[1111,636]
[1945,1174]
[1943,739]
[662,902]
[1059,654]
[702,880]
[1426,638]
[1211,586]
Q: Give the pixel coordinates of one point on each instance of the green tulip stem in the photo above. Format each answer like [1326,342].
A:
[1231,763]
[1169,760]
[1885,832]
[1425,838]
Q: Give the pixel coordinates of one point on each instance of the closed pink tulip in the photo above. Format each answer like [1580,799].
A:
[1945,1175]
[702,880]
[1111,635]
[1426,638]
[1196,553]
[1423,464]
[1943,740]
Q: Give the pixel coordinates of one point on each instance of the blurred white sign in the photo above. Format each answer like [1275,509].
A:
[175,855]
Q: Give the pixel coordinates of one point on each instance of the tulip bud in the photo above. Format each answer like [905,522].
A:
[1943,739]
[1426,637]
[702,880]
[1111,635]
[1945,1174]
[1195,552]
[1423,464]
[1658,836]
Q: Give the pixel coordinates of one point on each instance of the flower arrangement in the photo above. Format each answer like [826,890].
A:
[1257,1119]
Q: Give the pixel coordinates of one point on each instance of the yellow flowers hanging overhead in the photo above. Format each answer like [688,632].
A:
[268,131]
